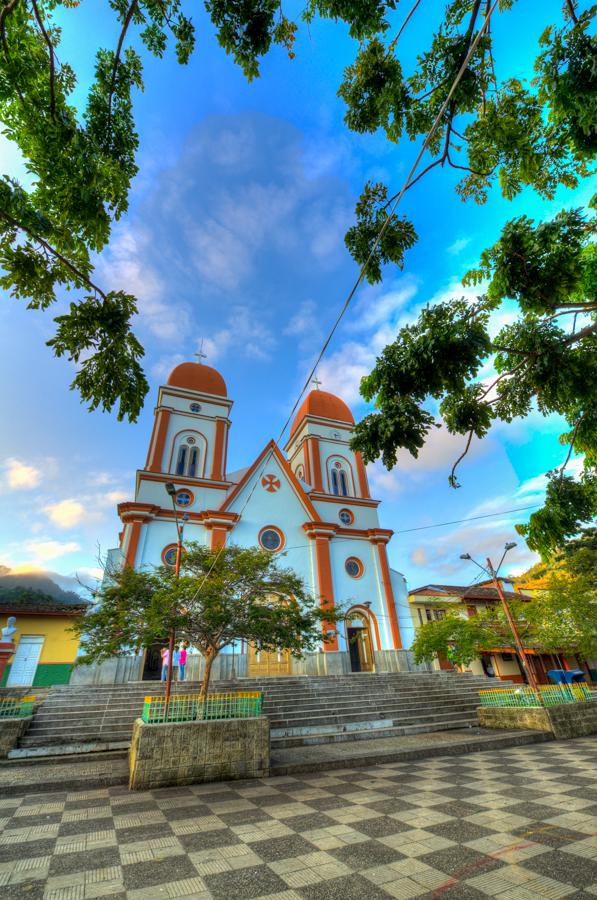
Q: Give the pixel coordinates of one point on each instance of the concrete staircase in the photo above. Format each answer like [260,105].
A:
[302,710]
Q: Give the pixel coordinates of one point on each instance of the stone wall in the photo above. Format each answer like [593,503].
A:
[10,732]
[566,720]
[194,752]
[117,670]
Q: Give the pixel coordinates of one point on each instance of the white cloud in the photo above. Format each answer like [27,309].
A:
[66,513]
[20,476]
[458,246]
[42,551]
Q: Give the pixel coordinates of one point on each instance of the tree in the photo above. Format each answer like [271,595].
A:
[221,597]
[496,131]
[547,357]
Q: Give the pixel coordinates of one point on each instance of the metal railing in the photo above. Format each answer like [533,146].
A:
[16,707]
[547,695]
[193,707]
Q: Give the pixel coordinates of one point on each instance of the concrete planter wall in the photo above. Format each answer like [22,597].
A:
[567,720]
[193,752]
[117,670]
[10,732]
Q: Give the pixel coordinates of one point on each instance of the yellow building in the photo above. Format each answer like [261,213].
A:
[45,647]
[432,601]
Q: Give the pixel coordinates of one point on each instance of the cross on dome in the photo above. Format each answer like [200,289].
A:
[200,354]
[316,382]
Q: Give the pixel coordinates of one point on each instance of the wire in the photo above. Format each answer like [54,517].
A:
[363,269]
[390,215]
[469,519]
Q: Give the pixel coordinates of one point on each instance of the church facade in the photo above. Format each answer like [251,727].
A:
[309,501]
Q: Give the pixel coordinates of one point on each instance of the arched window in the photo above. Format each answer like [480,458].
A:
[181,460]
[193,462]
[334,480]
[340,480]
[343,484]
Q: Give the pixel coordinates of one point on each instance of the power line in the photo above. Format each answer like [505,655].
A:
[468,519]
[363,269]
[390,215]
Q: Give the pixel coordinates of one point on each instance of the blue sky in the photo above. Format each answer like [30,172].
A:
[235,236]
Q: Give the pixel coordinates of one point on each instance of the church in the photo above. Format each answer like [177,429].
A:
[309,502]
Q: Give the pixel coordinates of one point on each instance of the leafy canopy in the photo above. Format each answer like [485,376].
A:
[82,159]
[222,596]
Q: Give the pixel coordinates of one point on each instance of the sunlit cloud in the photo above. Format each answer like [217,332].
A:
[66,513]
[42,551]
[20,476]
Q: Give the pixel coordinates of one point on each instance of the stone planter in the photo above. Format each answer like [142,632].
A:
[177,753]
[10,732]
[566,720]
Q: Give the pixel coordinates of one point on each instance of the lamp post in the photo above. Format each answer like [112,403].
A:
[171,491]
[493,574]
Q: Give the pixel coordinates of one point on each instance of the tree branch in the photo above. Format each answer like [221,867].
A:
[403,26]
[125,27]
[567,460]
[52,60]
[572,11]
[452,477]
[52,250]
[579,335]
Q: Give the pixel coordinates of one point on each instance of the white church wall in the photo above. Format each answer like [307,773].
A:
[405,621]
[366,589]
[152,491]
[364,516]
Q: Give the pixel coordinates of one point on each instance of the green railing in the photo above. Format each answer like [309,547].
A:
[193,707]
[16,707]
[547,695]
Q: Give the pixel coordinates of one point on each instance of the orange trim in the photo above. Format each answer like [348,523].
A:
[218,538]
[362,476]
[387,583]
[285,466]
[370,615]
[160,430]
[307,462]
[187,394]
[217,466]
[313,449]
[132,543]
[326,585]
[354,501]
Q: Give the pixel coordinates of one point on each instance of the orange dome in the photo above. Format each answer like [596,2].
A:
[324,405]
[195,377]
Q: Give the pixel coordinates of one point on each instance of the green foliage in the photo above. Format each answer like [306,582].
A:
[221,597]
[545,359]
[460,636]
[374,92]
[247,28]
[399,235]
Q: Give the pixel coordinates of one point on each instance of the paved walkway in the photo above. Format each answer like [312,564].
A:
[517,824]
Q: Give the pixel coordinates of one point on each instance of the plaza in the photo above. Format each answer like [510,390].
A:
[517,823]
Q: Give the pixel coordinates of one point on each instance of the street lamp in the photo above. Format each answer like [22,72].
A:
[493,574]
[171,491]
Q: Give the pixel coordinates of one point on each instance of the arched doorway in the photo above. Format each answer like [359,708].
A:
[360,644]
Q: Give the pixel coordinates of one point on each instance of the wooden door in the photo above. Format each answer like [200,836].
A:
[264,663]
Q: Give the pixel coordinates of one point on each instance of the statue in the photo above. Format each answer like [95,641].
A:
[9,630]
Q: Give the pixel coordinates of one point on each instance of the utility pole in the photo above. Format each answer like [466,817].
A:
[521,651]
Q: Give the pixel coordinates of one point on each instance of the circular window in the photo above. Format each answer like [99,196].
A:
[337,465]
[184,498]
[191,440]
[354,567]
[271,538]
[346,517]
[195,407]
[169,555]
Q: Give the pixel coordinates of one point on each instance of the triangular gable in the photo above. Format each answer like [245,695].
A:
[272,447]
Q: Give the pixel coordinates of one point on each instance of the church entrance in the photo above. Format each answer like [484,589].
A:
[360,647]
[260,662]
[152,667]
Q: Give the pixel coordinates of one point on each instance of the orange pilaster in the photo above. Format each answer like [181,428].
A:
[218,538]
[132,544]
[313,445]
[217,468]
[158,441]
[390,602]
[321,534]
[362,476]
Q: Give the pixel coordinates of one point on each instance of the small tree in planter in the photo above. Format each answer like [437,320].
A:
[220,597]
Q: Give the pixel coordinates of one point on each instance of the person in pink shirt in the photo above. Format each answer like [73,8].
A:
[165,652]
[182,659]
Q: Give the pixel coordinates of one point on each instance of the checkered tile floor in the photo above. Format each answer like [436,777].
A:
[514,824]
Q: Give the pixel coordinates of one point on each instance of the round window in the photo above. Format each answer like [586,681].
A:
[169,555]
[184,498]
[354,567]
[195,407]
[346,517]
[271,539]
[191,440]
